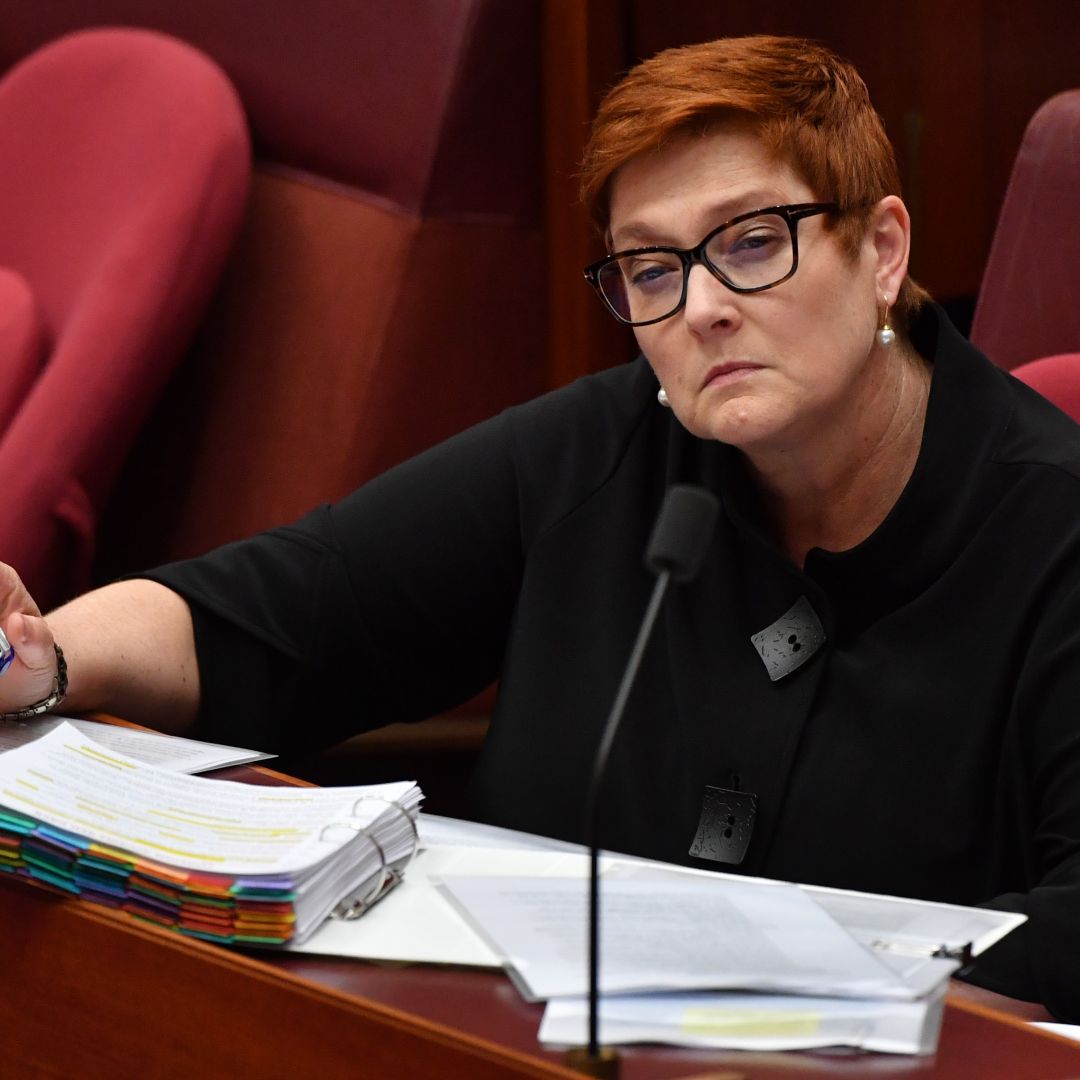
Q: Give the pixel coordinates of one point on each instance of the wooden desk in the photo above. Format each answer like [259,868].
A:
[91,993]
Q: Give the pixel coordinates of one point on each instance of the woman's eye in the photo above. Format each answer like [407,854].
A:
[754,241]
[650,275]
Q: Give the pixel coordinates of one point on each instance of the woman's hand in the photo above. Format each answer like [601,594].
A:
[32,674]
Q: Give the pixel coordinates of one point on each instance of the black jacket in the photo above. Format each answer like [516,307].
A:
[930,748]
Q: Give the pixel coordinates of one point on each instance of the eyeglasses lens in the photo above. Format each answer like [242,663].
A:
[751,254]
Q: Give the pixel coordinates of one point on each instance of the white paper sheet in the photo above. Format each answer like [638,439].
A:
[897,924]
[671,935]
[151,747]
[418,924]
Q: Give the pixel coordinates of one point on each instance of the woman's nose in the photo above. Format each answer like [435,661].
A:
[710,304]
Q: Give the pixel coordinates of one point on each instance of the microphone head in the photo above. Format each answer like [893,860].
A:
[683,530]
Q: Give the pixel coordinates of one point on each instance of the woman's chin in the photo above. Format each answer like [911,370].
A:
[741,426]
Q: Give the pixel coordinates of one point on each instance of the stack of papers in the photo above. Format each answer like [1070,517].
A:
[693,958]
[218,860]
[678,954]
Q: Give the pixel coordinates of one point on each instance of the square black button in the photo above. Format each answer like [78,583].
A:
[727,821]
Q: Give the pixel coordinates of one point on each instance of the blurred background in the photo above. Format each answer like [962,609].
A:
[439,138]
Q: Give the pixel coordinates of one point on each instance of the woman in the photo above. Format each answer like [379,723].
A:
[875,676]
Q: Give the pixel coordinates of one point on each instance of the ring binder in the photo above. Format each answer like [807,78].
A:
[389,875]
[269,876]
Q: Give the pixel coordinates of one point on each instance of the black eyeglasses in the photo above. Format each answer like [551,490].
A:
[749,253]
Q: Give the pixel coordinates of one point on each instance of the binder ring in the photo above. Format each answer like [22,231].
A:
[405,814]
[386,878]
[388,875]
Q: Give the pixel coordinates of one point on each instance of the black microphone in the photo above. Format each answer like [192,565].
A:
[677,548]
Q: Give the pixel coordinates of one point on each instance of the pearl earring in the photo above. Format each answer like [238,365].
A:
[661,396]
[886,335]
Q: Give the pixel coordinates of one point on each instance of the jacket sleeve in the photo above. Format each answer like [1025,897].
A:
[389,605]
[396,603]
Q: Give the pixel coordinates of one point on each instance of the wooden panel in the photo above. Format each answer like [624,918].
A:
[345,337]
[1032,52]
[100,995]
[583,52]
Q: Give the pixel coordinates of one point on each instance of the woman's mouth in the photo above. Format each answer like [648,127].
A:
[722,374]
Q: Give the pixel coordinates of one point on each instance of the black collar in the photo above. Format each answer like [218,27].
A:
[948,495]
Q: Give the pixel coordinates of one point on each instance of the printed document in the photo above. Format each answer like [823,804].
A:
[669,934]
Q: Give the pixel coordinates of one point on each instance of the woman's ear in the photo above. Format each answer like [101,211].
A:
[890,236]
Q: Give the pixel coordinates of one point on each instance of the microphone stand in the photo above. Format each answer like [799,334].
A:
[676,551]
[592,1059]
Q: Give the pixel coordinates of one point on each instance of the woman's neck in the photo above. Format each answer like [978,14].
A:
[836,492]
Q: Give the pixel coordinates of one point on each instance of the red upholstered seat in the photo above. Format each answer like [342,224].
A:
[22,342]
[1057,378]
[124,169]
[1027,305]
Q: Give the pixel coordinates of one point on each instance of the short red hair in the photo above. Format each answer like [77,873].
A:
[810,107]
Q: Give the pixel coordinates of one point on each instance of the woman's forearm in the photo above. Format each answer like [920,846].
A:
[130,651]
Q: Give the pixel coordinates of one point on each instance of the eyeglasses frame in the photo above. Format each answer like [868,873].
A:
[792,213]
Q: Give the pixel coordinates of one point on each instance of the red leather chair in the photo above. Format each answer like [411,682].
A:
[124,169]
[1027,305]
[1057,378]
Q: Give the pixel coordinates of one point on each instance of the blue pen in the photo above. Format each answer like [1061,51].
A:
[7,653]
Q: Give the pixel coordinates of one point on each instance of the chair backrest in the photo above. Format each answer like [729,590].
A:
[1057,378]
[124,170]
[1027,305]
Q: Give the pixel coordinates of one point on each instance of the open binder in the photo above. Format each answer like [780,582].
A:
[228,862]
